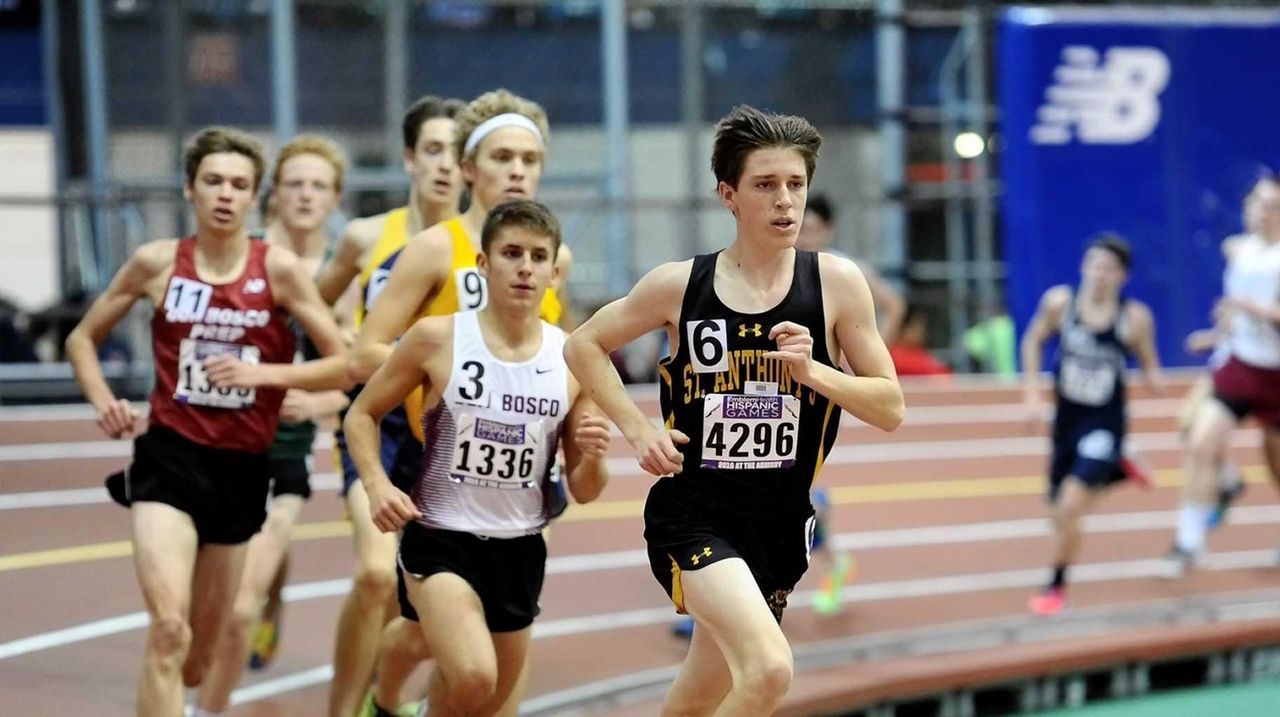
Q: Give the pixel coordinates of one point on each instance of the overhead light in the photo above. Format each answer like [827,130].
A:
[969,145]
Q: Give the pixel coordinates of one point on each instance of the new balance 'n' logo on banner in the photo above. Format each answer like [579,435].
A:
[1115,101]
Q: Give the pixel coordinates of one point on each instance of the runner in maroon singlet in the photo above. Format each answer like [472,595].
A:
[224,358]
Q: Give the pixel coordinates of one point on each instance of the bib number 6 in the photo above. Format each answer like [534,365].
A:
[708,345]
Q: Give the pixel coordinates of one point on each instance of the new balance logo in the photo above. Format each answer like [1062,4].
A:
[696,557]
[753,329]
[1112,102]
[255,286]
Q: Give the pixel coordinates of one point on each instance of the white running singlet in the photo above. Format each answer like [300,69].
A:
[491,441]
[1253,272]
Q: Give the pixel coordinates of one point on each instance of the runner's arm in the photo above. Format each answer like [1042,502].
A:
[129,284]
[344,266]
[405,369]
[414,278]
[871,392]
[888,302]
[653,303]
[586,441]
[1143,343]
[292,289]
[1044,324]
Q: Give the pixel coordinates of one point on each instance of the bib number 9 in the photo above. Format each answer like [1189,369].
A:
[472,292]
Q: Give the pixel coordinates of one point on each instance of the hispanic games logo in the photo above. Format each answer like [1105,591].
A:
[1111,99]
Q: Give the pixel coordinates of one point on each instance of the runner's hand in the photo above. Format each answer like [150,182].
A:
[296,407]
[795,349]
[118,419]
[1034,412]
[391,508]
[658,455]
[1201,341]
[592,437]
[1223,309]
[226,371]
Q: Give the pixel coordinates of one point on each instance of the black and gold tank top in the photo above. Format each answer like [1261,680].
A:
[751,426]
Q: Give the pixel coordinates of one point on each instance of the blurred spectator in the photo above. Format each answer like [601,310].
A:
[818,233]
[16,344]
[50,326]
[910,357]
[992,343]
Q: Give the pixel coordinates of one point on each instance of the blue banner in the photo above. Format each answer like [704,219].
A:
[21,78]
[1150,123]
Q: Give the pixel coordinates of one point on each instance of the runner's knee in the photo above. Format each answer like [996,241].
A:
[767,678]
[471,686]
[169,637]
[375,582]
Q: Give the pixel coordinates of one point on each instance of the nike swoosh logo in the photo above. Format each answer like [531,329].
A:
[543,370]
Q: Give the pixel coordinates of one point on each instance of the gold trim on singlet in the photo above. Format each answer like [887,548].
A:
[822,442]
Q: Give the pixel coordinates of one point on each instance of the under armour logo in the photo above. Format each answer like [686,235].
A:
[706,553]
[255,286]
[753,329]
[1112,102]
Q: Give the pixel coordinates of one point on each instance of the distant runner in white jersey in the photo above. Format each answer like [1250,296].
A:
[1246,383]
[499,399]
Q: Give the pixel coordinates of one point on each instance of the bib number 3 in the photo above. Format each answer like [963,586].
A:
[749,432]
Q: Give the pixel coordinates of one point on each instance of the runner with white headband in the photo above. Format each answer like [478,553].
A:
[501,145]
[508,119]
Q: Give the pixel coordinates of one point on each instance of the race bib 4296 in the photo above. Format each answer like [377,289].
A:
[749,432]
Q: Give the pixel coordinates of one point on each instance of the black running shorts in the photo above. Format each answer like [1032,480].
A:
[506,573]
[224,491]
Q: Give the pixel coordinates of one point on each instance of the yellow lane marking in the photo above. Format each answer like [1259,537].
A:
[61,556]
[622,509]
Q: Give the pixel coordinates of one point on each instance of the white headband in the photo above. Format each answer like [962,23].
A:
[487,127]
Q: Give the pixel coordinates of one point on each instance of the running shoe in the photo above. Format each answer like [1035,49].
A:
[266,641]
[827,600]
[1176,563]
[1048,603]
[1136,470]
[1230,488]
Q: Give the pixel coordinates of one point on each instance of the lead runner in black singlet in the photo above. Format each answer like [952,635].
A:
[751,400]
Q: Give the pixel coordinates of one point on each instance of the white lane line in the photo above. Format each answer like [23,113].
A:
[56,413]
[943,535]
[280,685]
[920,416]
[53,498]
[71,635]
[975,532]
[927,587]
[848,454]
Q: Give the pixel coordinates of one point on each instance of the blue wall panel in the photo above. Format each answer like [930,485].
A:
[1098,137]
